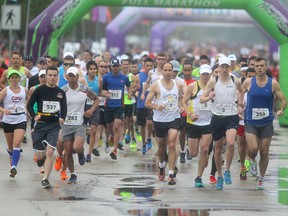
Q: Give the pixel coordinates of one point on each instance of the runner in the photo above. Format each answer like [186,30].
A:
[225,120]
[166,95]
[52,109]
[73,129]
[198,121]
[144,115]
[14,119]
[259,130]
[114,83]
[94,83]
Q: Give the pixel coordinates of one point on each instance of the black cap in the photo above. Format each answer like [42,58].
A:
[115,62]
[28,58]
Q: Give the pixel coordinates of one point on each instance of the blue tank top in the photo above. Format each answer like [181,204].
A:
[259,107]
[62,81]
[93,84]
[143,77]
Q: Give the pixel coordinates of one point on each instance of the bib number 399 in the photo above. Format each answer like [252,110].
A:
[259,113]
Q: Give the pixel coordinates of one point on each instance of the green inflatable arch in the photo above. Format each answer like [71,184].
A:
[61,15]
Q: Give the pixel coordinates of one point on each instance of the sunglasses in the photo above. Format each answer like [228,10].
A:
[103,66]
[68,64]
[42,76]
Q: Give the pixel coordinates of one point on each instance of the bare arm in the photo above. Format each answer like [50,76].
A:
[154,91]
[3,79]
[91,95]
[208,93]
[3,94]
[279,94]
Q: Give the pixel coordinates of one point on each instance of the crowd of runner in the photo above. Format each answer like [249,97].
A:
[184,107]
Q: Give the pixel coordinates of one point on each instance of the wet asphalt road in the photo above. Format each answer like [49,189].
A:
[129,186]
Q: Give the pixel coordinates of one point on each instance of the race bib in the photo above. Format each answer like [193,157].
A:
[170,102]
[16,109]
[73,118]
[102,101]
[89,101]
[259,113]
[115,94]
[51,106]
[207,106]
[222,109]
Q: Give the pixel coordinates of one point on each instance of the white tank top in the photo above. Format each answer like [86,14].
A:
[76,99]
[16,104]
[169,99]
[154,77]
[225,99]
[202,110]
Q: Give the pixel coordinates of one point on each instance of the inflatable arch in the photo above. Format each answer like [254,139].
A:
[45,30]
[121,24]
[162,29]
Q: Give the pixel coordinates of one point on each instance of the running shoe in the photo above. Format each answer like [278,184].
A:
[96,152]
[199,183]
[113,155]
[81,159]
[247,165]
[120,146]
[243,175]
[41,162]
[63,175]
[13,172]
[260,184]
[182,157]
[212,179]
[127,138]
[144,149]
[149,143]
[138,135]
[88,158]
[161,174]
[133,145]
[219,184]
[188,156]
[58,163]
[45,184]
[253,167]
[227,177]
[72,179]
[171,180]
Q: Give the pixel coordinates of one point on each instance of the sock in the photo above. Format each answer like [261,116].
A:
[171,172]
[162,165]
[15,156]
